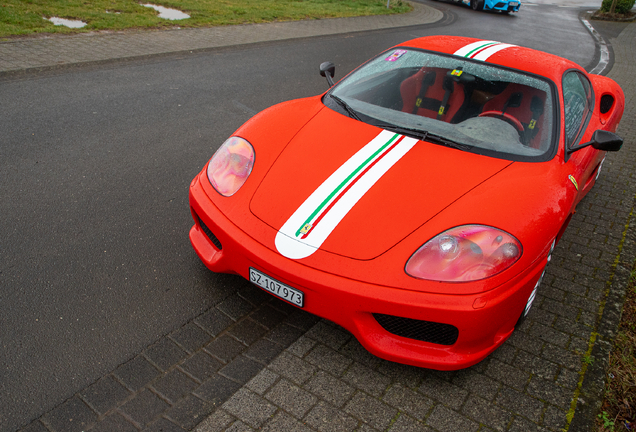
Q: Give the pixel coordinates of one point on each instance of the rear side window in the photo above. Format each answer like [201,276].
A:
[577,104]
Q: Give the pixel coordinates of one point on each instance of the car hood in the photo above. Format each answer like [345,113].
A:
[355,190]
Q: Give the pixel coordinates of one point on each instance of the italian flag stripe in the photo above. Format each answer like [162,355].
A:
[344,191]
[347,181]
[484,54]
[323,210]
[467,50]
[481,50]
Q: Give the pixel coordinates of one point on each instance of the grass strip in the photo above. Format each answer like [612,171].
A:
[618,411]
[30,17]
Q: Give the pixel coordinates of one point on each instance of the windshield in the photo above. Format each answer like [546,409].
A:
[477,107]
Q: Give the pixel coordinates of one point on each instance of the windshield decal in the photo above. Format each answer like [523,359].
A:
[311,224]
[396,55]
[481,50]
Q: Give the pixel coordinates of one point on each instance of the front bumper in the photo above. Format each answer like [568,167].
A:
[483,321]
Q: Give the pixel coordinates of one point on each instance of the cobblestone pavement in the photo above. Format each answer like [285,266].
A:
[253,362]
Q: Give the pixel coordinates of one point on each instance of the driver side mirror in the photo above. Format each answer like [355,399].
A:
[601,140]
[328,70]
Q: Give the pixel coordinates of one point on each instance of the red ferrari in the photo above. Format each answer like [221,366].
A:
[415,203]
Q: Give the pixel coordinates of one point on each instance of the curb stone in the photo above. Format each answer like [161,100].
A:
[24,56]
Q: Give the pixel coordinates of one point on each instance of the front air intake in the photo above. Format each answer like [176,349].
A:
[425,331]
[210,235]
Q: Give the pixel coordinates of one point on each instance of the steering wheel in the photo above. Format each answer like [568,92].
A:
[507,118]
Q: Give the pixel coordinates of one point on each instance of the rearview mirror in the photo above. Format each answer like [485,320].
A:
[514,101]
[328,70]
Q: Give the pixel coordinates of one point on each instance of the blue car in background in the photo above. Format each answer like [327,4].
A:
[505,6]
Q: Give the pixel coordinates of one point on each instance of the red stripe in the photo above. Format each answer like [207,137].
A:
[483,49]
[344,191]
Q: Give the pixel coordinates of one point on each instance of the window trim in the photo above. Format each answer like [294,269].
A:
[554,92]
[585,122]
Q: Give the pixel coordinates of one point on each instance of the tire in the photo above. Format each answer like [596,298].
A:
[477,5]
[522,318]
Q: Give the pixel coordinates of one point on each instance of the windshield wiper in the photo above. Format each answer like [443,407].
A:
[423,135]
[352,113]
[414,133]
[436,139]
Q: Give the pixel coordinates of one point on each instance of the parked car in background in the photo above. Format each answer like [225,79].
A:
[505,6]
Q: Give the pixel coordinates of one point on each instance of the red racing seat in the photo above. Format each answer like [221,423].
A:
[526,111]
[424,92]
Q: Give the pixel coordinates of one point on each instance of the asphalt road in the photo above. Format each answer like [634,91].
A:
[95,163]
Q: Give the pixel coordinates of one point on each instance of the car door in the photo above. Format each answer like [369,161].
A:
[578,105]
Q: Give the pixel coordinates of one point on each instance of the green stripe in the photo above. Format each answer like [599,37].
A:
[480,47]
[341,185]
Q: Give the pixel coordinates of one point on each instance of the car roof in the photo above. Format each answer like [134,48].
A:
[509,55]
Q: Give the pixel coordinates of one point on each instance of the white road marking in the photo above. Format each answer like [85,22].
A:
[604,60]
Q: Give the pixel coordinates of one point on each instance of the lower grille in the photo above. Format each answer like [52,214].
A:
[425,331]
[215,241]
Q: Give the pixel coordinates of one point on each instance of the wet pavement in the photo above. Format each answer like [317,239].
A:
[253,362]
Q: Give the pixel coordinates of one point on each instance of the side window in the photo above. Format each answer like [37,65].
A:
[577,103]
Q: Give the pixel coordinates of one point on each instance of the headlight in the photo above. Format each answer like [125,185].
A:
[231,165]
[465,253]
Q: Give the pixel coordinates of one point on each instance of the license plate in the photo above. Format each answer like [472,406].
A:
[514,3]
[279,289]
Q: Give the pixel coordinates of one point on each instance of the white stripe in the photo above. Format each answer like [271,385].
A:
[342,174]
[462,52]
[286,237]
[530,300]
[295,248]
[605,57]
[483,56]
[339,176]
